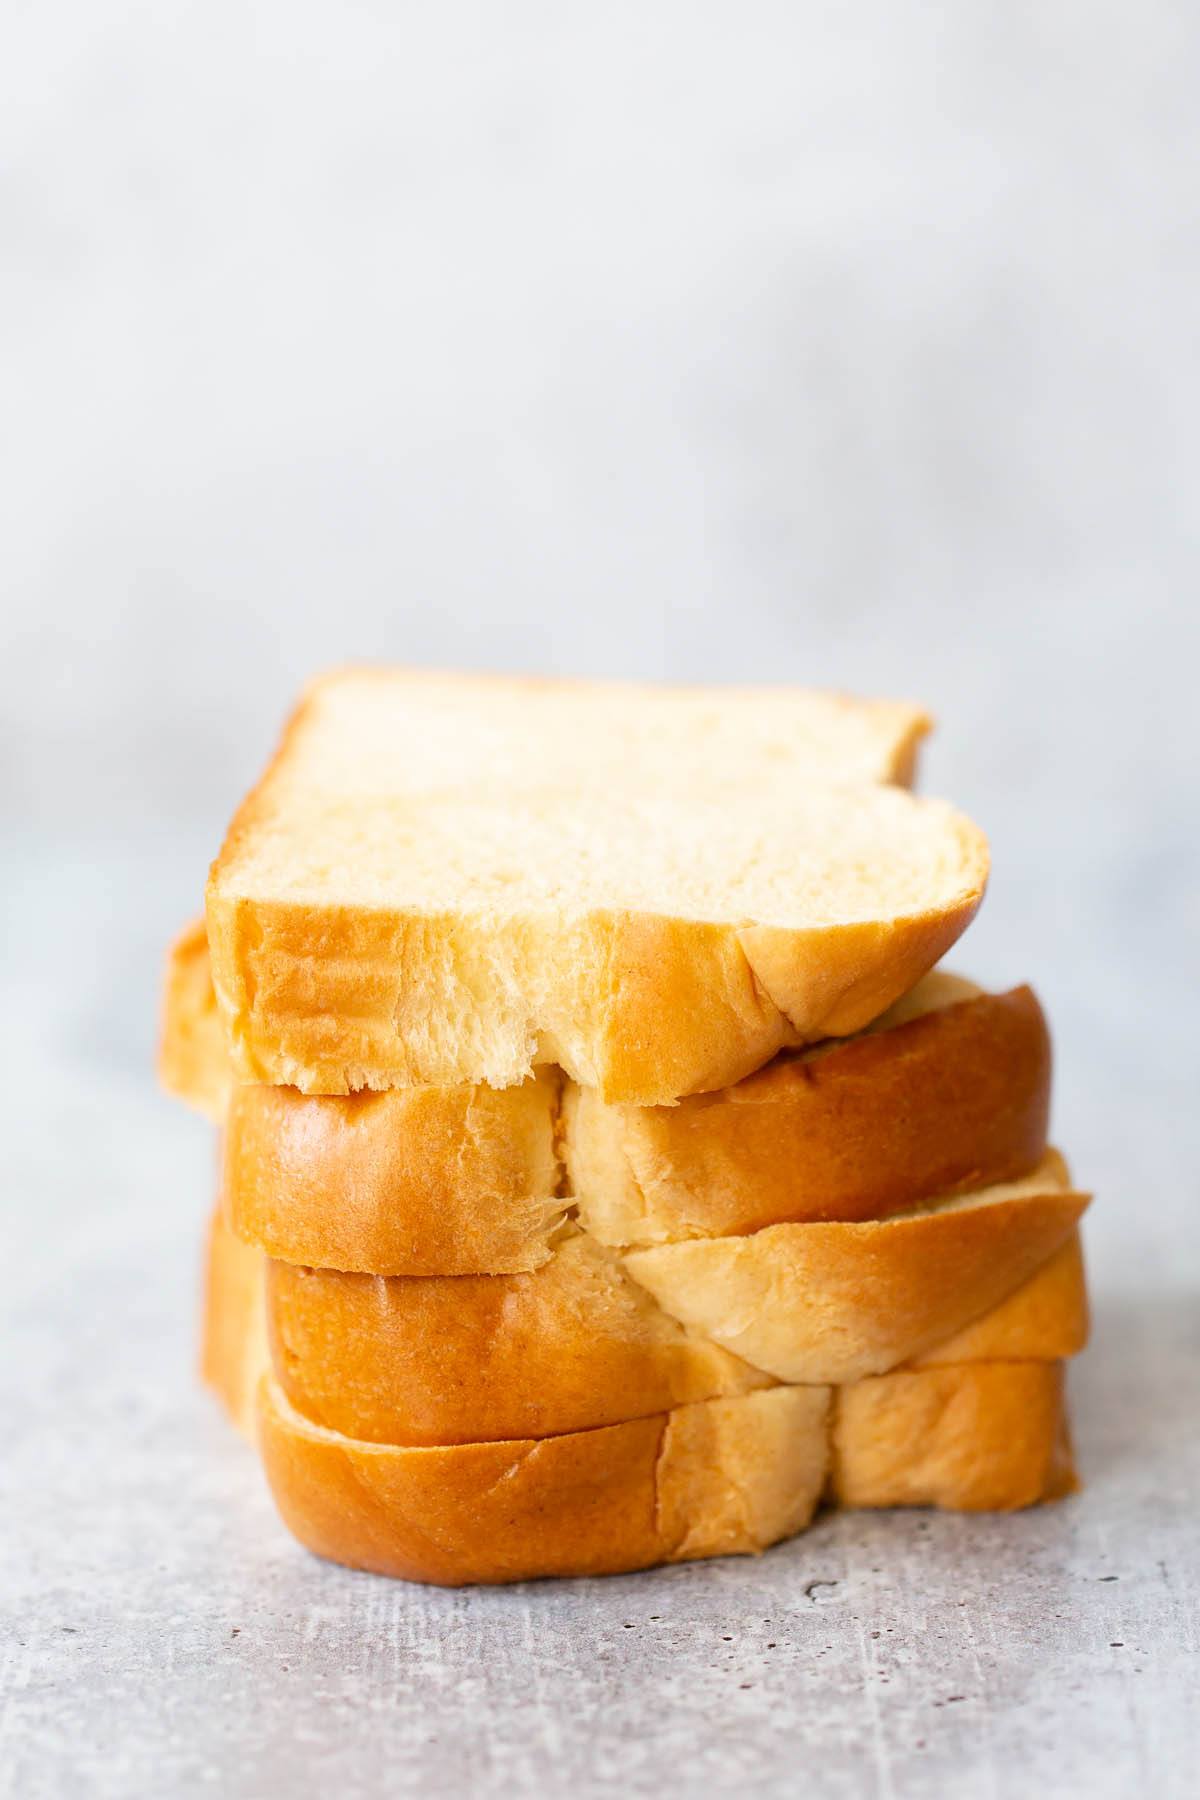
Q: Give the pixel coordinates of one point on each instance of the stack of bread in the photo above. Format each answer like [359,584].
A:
[608,1176]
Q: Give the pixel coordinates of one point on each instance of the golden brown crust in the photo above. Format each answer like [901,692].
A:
[193,1062]
[454,1360]
[588,1503]
[955,1099]
[580,1505]
[414,1181]
[1045,1320]
[836,1302]
[983,1437]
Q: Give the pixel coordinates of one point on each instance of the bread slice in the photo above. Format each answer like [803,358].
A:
[948,1092]
[836,1302]
[444,880]
[717,1478]
[981,1437]
[574,1346]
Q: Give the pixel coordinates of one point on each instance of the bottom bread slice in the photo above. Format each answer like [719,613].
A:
[711,1478]
[714,1478]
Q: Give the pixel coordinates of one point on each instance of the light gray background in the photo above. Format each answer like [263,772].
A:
[847,346]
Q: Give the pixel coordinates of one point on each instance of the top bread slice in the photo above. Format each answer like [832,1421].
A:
[451,879]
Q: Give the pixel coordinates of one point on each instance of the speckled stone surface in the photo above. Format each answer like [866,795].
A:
[165,1636]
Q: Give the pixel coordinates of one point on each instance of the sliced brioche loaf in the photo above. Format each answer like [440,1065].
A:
[441,881]
[980,1437]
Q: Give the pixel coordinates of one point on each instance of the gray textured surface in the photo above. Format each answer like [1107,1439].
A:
[167,1638]
[669,341]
